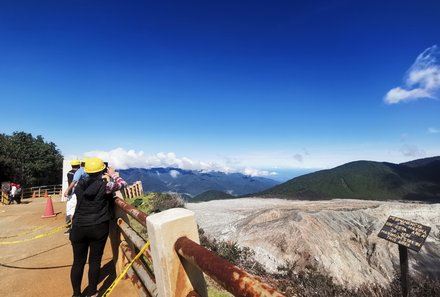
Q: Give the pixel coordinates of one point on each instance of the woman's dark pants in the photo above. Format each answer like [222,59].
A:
[84,238]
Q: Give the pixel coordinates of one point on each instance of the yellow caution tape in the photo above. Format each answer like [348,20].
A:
[37,236]
[23,233]
[124,272]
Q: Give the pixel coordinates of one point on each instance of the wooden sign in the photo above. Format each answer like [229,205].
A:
[406,233]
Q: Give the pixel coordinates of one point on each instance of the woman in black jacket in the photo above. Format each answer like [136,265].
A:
[90,225]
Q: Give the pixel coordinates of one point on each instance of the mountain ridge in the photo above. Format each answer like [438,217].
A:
[195,182]
[415,180]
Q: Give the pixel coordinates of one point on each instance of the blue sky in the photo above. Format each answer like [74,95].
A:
[263,87]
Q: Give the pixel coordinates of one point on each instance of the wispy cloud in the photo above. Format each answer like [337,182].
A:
[422,79]
[174,173]
[121,158]
[411,150]
[298,157]
[432,130]
[256,172]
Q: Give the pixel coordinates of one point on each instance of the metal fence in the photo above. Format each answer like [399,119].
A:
[175,263]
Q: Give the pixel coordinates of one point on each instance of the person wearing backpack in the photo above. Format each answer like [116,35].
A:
[90,223]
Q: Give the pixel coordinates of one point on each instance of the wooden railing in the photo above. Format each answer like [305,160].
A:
[134,190]
[176,257]
[41,191]
[4,198]
[35,192]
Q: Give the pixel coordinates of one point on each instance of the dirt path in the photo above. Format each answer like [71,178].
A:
[41,267]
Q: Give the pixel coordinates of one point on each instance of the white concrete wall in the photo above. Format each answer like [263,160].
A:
[66,168]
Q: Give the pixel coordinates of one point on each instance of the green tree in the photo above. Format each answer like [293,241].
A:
[29,160]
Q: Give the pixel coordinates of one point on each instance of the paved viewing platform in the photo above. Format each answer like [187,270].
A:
[41,267]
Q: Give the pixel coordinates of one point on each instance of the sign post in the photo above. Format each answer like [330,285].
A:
[408,235]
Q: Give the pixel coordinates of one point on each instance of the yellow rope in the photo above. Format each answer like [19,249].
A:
[37,236]
[23,233]
[124,272]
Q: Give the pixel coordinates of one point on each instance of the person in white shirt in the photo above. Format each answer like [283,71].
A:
[12,193]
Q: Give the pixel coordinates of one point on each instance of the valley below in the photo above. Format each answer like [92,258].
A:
[337,237]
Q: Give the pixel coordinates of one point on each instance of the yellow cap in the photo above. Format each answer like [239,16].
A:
[75,162]
[94,165]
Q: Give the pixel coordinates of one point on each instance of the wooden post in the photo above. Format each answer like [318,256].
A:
[141,190]
[403,256]
[406,234]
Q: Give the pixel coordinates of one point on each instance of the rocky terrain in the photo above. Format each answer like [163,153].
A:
[336,236]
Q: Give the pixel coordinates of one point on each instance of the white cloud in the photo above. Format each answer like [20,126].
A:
[121,158]
[174,173]
[256,172]
[422,79]
[433,130]
[398,94]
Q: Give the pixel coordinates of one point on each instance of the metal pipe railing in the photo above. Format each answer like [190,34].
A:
[229,276]
[146,277]
[138,241]
[138,215]
[142,292]
[233,279]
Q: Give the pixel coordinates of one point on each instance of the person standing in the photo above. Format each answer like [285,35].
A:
[80,173]
[90,223]
[12,193]
[17,196]
[71,197]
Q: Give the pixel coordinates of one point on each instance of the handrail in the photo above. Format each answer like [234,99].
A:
[168,248]
[137,214]
[140,274]
[41,191]
[4,198]
[138,241]
[233,279]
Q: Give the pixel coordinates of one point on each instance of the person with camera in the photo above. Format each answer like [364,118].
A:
[90,223]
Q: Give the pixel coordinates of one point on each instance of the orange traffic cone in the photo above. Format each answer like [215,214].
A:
[45,194]
[48,212]
[34,194]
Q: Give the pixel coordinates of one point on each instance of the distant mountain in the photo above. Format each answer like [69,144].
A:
[192,182]
[211,195]
[415,180]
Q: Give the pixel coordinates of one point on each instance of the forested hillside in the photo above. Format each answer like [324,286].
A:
[416,180]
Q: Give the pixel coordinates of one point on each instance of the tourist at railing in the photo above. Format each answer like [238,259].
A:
[90,223]
[80,173]
[71,197]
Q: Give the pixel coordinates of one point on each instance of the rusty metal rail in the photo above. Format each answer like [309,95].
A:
[232,278]
[145,276]
[138,241]
[141,276]
[229,276]
[138,215]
